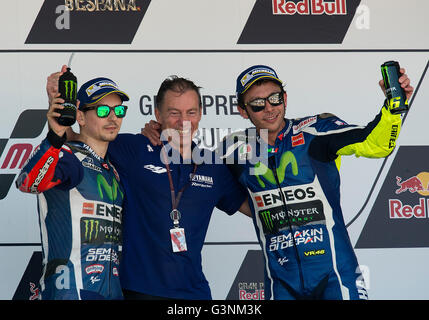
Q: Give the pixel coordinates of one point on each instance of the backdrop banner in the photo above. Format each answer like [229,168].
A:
[327,52]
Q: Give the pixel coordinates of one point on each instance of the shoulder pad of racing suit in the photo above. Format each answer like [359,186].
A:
[79,150]
[75,147]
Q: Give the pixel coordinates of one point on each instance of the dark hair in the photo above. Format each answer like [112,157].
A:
[240,97]
[176,84]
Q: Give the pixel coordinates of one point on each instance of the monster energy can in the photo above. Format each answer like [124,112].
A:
[67,86]
[396,97]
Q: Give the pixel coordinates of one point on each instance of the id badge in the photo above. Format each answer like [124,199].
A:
[178,240]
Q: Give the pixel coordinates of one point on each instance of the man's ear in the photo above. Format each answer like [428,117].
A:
[80,117]
[243,112]
[158,115]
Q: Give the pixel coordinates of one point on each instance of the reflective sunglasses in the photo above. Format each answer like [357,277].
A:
[104,111]
[258,104]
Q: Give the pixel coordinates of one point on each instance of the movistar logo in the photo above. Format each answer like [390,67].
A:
[110,190]
[286,159]
[71,90]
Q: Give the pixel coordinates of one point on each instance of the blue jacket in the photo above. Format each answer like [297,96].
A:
[148,263]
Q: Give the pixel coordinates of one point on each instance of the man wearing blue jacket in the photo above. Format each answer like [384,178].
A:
[170,196]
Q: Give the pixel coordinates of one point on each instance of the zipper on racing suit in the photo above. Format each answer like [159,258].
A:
[112,175]
[272,164]
[111,252]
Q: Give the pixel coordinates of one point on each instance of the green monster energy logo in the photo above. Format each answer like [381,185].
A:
[385,76]
[286,159]
[90,226]
[110,190]
[266,218]
[70,87]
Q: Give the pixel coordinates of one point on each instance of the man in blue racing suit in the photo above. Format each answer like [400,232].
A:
[80,197]
[291,174]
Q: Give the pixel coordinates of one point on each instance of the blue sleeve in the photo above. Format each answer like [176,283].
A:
[233,193]
[124,150]
[373,140]
[69,170]
[227,151]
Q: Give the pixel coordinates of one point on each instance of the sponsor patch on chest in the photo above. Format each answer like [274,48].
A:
[202,181]
[298,140]
[304,123]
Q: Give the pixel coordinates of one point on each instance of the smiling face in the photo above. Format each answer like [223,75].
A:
[272,117]
[179,116]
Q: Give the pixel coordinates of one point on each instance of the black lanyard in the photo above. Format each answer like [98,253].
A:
[175,214]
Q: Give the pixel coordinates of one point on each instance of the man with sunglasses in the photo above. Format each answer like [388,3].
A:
[80,196]
[295,195]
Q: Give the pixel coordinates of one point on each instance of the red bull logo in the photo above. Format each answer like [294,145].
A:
[249,295]
[415,184]
[418,183]
[307,7]
[35,292]
[398,210]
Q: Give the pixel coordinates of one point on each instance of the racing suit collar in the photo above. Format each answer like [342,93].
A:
[285,130]
[253,132]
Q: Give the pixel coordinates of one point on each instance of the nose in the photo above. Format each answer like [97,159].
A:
[184,120]
[112,115]
[186,124]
